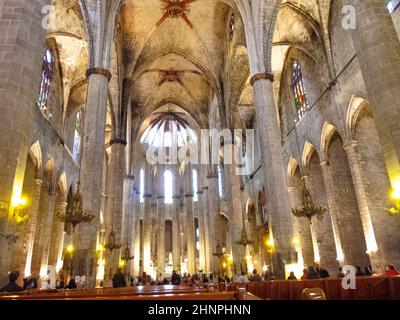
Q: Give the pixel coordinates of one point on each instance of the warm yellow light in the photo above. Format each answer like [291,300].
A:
[100,247]
[22,201]
[122,263]
[230,259]
[296,241]
[396,194]
[70,248]
[224,265]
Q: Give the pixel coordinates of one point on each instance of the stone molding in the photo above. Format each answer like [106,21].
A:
[262,76]
[100,71]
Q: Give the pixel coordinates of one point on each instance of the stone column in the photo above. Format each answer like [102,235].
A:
[46,233]
[377,256]
[161,222]
[207,229]
[129,220]
[273,170]
[190,236]
[147,225]
[115,197]
[377,47]
[238,251]
[214,211]
[91,168]
[176,229]
[32,225]
[57,237]
[333,209]
[202,231]
[136,233]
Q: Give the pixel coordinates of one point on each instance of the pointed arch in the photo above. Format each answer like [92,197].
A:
[307,153]
[292,166]
[35,152]
[327,133]
[356,104]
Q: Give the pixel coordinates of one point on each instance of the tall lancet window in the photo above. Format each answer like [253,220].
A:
[300,98]
[45,83]
[220,181]
[195,186]
[141,185]
[77,136]
[168,186]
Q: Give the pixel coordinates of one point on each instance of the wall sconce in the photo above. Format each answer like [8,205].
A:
[395,198]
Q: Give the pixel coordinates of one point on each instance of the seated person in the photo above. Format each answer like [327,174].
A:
[292,276]
[12,286]
[392,271]
[255,277]
[242,278]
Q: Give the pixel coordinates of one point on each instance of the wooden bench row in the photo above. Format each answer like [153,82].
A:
[131,293]
[367,288]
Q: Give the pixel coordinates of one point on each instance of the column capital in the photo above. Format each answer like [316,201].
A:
[118,141]
[38,181]
[324,163]
[188,195]
[100,71]
[350,144]
[63,204]
[261,76]
[212,175]
[290,189]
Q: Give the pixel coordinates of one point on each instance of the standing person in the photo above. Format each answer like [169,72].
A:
[175,279]
[118,279]
[12,286]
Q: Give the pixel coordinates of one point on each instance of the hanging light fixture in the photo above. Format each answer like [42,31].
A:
[75,214]
[308,209]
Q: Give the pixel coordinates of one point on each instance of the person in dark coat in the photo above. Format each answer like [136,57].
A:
[359,272]
[175,279]
[31,282]
[119,280]
[71,284]
[12,286]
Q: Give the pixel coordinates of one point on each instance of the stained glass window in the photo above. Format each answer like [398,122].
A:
[232,26]
[45,83]
[77,136]
[168,187]
[299,91]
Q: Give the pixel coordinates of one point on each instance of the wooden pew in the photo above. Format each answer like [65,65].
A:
[132,293]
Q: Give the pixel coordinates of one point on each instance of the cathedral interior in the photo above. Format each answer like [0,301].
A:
[307,92]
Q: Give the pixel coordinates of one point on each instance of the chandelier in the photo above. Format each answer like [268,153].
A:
[127,255]
[111,243]
[309,209]
[244,239]
[75,214]
[220,252]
